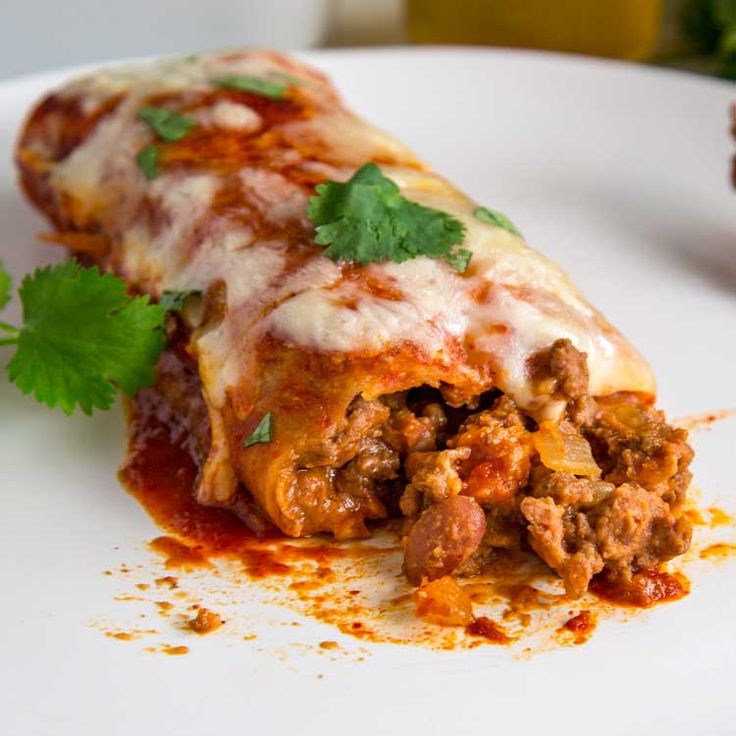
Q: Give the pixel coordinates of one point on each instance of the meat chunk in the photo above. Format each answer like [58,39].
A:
[570,369]
[337,494]
[635,528]
[562,373]
[567,489]
[500,458]
[630,528]
[445,535]
[432,477]
[347,470]
[489,459]
[633,443]
[374,464]
[408,431]
[205,621]
[555,538]
[364,420]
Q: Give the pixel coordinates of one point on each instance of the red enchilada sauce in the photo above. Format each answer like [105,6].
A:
[489,630]
[645,589]
[161,471]
[581,627]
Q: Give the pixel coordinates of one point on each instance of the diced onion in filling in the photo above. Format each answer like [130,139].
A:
[564,450]
[443,602]
[629,415]
[600,491]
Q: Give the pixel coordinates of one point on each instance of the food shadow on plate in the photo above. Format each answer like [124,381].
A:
[59,437]
[711,253]
[21,250]
[704,247]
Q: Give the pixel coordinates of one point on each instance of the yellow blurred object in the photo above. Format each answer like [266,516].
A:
[621,29]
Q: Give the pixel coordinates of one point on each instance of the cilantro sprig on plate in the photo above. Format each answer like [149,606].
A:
[368,220]
[82,337]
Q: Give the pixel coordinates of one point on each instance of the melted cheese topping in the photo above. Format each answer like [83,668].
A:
[511,303]
[233,116]
[342,319]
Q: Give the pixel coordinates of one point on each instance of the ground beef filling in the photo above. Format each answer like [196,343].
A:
[598,487]
[593,486]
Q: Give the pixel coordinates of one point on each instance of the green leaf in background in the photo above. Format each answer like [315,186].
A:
[725,12]
[710,25]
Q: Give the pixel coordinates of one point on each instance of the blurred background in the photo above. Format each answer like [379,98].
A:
[699,35]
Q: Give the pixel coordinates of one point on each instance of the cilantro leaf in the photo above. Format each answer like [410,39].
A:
[287,78]
[261,434]
[148,161]
[368,220]
[173,301]
[270,88]
[460,259]
[165,124]
[82,336]
[5,284]
[494,217]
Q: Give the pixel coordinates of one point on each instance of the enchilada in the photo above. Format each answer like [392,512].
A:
[470,390]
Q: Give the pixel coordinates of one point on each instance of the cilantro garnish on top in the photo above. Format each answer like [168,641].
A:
[82,337]
[494,217]
[261,434]
[274,89]
[368,220]
[167,125]
[148,161]
[174,301]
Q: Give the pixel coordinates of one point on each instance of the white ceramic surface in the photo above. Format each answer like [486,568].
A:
[618,173]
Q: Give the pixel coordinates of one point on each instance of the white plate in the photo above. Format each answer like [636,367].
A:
[619,173]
